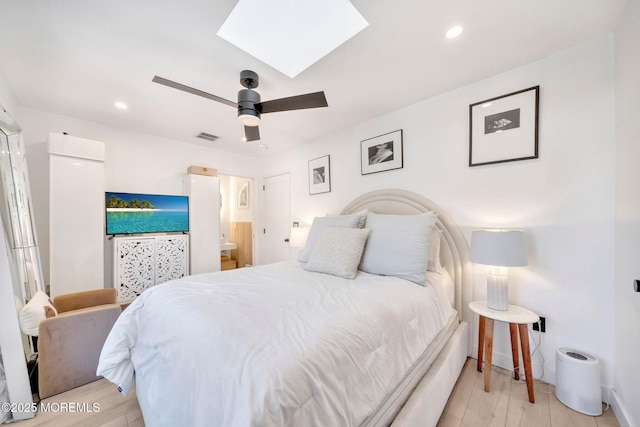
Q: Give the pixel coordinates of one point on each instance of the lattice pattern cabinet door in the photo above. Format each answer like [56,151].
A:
[171,258]
[142,262]
[134,265]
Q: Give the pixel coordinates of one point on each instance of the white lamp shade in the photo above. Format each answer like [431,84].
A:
[503,248]
[298,238]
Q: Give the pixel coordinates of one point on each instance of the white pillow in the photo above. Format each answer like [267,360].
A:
[320,222]
[363,217]
[338,251]
[397,245]
[433,261]
[34,312]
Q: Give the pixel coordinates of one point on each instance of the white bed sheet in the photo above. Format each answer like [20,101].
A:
[272,345]
[444,284]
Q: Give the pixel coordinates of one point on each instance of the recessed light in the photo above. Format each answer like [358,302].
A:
[244,139]
[486,104]
[454,32]
[121,105]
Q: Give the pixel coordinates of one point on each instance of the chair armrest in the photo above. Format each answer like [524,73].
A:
[69,347]
[78,300]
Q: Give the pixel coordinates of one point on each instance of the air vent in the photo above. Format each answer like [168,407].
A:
[207,136]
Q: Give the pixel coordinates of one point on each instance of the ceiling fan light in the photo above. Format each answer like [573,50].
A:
[249,120]
[454,32]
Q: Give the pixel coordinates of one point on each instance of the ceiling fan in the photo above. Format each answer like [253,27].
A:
[249,105]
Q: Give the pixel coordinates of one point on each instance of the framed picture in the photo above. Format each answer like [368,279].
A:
[381,153]
[319,175]
[505,128]
[243,195]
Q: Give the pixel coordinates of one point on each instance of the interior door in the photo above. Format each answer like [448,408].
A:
[277,202]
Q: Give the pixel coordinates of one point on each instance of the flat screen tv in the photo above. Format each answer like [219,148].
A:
[129,213]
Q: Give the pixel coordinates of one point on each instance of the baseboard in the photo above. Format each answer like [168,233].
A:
[547,375]
[618,408]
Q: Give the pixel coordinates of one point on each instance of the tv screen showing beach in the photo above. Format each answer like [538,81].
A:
[129,213]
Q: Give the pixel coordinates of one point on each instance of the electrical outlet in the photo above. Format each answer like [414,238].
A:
[540,327]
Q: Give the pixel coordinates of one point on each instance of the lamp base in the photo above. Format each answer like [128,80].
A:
[497,289]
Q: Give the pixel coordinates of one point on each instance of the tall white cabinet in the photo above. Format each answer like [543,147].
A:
[204,222]
[76,214]
[145,261]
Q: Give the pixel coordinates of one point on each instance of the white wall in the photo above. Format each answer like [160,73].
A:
[7,100]
[627,247]
[563,200]
[134,162]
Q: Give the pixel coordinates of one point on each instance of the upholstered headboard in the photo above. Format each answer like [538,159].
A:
[454,251]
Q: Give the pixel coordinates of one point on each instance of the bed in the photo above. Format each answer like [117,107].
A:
[281,345]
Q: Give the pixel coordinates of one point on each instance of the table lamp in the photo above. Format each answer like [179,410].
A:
[298,237]
[498,249]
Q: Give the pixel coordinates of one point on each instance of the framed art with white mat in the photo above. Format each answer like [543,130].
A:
[381,153]
[504,128]
[319,175]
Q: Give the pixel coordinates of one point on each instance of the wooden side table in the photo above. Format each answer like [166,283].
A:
[518,318]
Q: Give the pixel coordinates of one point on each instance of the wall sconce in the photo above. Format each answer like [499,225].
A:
[498,249]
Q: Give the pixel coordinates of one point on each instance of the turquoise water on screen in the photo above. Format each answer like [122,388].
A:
[147,222]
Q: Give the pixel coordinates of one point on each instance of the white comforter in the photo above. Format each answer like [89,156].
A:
[272,345]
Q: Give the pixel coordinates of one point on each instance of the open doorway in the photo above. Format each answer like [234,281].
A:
[237,207]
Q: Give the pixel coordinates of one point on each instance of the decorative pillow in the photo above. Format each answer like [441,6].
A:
[320,222]
[433,261]
[338,251]
[363,217]
[37,309]
[397,245]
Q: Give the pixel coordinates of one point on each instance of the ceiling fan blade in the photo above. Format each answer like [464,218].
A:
[299,102]
[189,89]
[252,133]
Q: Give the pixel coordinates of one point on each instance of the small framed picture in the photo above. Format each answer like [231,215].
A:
[505,128]
[243,195]
[319,175]
[381,153]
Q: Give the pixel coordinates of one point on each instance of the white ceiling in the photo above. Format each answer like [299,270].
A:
[78,57]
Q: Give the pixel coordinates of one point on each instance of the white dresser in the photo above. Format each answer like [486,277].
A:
[142,262]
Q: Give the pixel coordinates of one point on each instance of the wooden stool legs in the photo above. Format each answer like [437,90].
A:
[485,348]
[513,331]
[480,342]
[526,357]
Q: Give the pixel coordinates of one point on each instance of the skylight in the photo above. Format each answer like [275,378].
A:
[291,35]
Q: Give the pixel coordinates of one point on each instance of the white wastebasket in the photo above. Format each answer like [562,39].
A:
[578,381]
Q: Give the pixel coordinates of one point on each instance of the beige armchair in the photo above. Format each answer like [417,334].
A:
[69,344]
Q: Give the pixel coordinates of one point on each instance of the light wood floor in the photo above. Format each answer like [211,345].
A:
[508,405]
[469,405]
[115,410]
